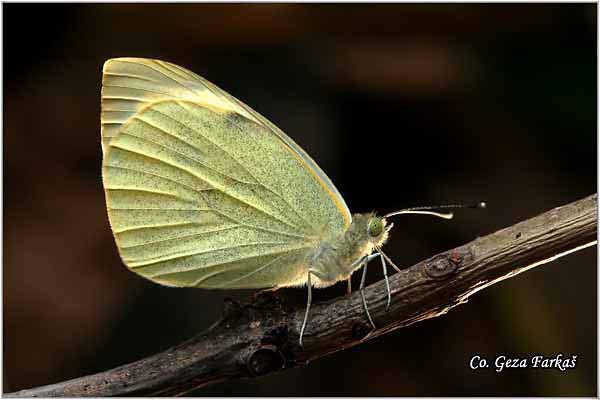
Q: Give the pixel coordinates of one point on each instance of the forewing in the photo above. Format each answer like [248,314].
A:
[130,84]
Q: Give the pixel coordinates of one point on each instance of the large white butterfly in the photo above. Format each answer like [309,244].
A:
[202,191]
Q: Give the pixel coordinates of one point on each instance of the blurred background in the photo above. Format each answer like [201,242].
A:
[449,103]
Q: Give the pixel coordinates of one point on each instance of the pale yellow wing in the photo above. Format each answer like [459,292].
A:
[201,193]
[129,84]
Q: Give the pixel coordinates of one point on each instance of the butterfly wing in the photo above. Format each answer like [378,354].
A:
[203,191]
[129,84]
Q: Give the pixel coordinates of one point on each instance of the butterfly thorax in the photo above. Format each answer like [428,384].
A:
[335,258]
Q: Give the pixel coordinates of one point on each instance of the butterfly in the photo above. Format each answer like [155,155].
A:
[203,191]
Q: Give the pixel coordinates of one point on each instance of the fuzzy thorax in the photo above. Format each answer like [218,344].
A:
[335,259]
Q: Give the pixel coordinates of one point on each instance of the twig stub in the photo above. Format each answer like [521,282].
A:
[265,360]
[445,264]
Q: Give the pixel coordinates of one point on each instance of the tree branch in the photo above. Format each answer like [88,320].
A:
[262,337]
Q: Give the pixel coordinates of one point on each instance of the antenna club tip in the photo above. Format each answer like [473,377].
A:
[480,205]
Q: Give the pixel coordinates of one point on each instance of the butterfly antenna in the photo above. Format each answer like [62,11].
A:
[427,210]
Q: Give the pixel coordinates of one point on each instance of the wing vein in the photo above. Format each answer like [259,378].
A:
[191,173]
[308,224]
[143,227]
[208,209]
[169,67]
[141,190]
[169,95]
[124,75]
[106,109]
[160,176]
[243,276]
[163,74]
[205,138]
[176,255]
[291,225]
[189,74]
[133,99]
[179,237]
[158,209]
[191,158]
[182,155]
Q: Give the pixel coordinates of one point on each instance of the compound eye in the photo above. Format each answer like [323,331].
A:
[375,227]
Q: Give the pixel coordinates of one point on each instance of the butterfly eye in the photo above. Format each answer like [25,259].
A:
[375,227]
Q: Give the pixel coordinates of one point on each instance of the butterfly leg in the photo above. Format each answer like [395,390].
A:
[387,282]
[362,293]
[308,283]
[389,260]
[308,302]
[358,263]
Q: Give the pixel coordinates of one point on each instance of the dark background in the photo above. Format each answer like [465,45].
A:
[401,105]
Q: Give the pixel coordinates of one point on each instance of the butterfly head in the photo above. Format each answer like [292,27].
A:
[377,230]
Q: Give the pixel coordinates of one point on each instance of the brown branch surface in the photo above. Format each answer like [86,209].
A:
[262,337]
